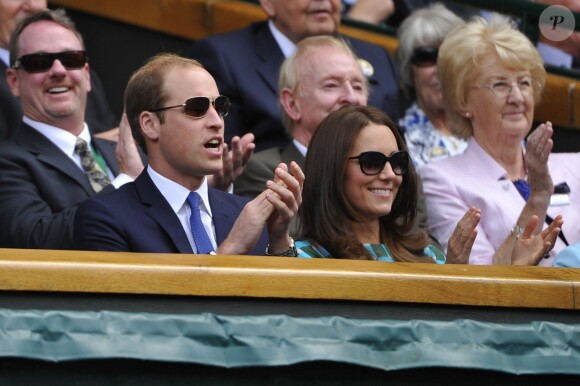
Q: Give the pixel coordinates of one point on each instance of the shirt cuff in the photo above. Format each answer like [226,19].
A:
[121,180]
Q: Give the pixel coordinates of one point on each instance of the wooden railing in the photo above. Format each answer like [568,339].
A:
[288,278]
[195,19]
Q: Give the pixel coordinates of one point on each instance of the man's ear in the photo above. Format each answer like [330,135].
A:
[289,103]
[150,125]
[269,8]
[12,81]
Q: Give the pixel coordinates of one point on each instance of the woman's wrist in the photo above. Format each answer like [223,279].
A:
[282,249]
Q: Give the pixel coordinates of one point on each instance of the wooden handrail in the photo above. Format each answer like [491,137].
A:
[189,19]
[196,19]
[289,278]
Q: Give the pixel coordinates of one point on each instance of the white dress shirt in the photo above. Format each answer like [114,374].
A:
[176,196]
[66,142]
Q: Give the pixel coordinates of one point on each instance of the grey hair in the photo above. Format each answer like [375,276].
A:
[425,27]
[290,75]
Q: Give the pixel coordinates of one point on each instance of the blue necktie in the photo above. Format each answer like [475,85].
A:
[200,237]
[523,187]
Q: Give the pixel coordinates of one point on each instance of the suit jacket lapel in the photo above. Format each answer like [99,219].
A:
[270,54]
[46,152]
[291,153]
[157,207]
[221,214]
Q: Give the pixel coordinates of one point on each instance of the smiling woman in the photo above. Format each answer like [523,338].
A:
[492,77]
[360,197]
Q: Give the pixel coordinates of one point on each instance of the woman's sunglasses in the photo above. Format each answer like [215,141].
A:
[198,106]
[41,62]
[373,162]
[425,56]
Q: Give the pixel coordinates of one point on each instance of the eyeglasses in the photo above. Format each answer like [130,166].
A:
[502,89]
[425,56]
[373,162]
[42,61]
[198,106]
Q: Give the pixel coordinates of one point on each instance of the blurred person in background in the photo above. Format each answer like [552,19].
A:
[425,123]
[246,64]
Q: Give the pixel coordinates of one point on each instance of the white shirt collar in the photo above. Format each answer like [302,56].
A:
[63,139]
[285,44]
[301,148]
[5,56]
[176,194]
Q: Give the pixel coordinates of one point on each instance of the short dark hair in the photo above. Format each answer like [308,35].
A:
[57,16]
[145,92]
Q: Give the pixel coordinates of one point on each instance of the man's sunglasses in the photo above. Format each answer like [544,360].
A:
[373,162]
[425,56]
[198,106]
[42,61]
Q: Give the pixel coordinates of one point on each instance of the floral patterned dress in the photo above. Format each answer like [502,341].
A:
[425,143]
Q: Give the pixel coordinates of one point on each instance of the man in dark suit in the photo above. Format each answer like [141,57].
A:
[98,114]
[321,76]
[175,110]
[43,173]
[245,64]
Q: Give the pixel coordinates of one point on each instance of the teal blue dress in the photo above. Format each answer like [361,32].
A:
[378,251]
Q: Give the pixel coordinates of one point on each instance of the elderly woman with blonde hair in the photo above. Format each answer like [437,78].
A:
[492,77]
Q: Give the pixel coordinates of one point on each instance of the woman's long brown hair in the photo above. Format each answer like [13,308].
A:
[326,214]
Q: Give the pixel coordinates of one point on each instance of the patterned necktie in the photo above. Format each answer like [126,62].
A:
[97,176]
[200,237]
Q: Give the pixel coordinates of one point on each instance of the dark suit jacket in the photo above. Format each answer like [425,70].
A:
[40,188]
[260,168]
[98,114]
[137,218]
[245,64]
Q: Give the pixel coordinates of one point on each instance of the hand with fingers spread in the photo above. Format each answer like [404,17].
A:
[529,249]
[463,237]
[234,161]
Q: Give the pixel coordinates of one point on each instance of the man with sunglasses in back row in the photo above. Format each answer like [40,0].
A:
[98,115]
[175,110]
[53,163]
